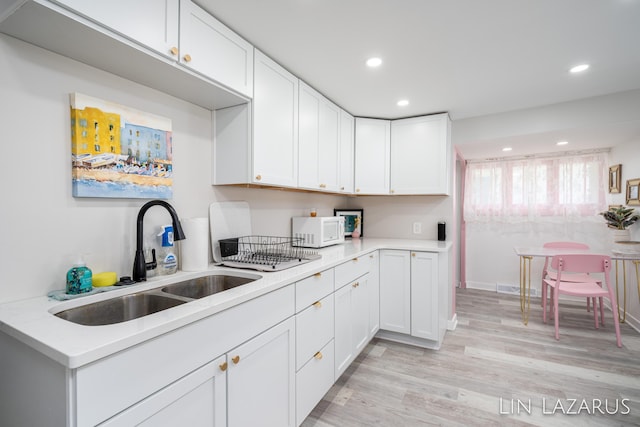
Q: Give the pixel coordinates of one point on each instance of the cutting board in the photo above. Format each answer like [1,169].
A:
[227,220]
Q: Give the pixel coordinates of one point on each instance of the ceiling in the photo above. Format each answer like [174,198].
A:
[467,57]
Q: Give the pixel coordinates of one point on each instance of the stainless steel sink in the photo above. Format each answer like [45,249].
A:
[119,309]
[127,307]
[205,286]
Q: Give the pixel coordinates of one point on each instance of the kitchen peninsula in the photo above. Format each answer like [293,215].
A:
[365,287]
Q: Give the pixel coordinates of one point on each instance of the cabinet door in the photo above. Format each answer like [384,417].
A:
[395,291]
[213,50]
[424,295]
[261,379]
[373,139]
[199,399]
[275,124]
[374,294]
[344,350]
[318,141]
[360,313]
[152,23]
[346,152]
[420,155]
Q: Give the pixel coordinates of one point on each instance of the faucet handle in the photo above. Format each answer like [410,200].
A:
[153,264]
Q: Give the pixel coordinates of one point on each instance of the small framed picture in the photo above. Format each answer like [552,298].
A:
[633,192]
[615,175]
[353,221]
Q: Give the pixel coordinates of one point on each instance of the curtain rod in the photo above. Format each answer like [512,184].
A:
[543,155]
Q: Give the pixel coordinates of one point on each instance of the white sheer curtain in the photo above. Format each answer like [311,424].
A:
[536,189]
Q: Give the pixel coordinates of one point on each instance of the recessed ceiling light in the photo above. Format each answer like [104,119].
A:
[579,68]
[507,149]
[403,103]
[374,62]
[562,142]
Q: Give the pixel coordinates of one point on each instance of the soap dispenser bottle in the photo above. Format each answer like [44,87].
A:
[168,260]
[79,278]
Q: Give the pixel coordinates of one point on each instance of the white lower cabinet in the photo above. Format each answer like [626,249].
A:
[351,322]
[413,297]
[374,293]
[261,379]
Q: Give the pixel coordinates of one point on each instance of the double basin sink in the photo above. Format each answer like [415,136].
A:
[127,307]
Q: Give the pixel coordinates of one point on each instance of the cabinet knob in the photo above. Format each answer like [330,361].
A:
[413,254]
[392,191]
[317,275]
[355,285]
[223,367]
[357,190]
[342,188]
[258,177]
[317,304]
[318,355]
[174,51]
[187,58]
[235,359]
[355,260]
[323,185]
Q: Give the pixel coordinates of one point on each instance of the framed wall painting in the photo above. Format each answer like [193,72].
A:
[353,220]
[615,177]
[633,192]
[119,152]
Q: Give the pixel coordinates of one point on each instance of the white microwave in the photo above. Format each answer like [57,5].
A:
[318,231]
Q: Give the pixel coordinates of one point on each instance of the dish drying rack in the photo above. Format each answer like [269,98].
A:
[265,253]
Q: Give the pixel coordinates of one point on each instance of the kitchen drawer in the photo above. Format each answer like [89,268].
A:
[351,270]
[313,289]
[313,381]
[314,328]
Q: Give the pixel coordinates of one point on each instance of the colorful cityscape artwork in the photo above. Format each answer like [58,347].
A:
[119,152]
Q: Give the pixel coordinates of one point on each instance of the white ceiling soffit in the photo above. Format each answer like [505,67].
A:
[467,57]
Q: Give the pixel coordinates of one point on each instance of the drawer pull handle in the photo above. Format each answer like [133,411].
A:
[355,260]
[413,254]
[235,360]
[317,304]
[174,51]
[187,58]
[318,355]
[317,275]
[355,285]
[223,367]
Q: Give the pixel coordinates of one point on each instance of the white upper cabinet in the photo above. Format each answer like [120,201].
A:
[346,152]
[153,23]
[210,48]
[319,134]
[145,41]
[420,155]
[372,148]
[275,124]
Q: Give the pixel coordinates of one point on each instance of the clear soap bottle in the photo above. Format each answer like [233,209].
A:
[79,278]
[168,260]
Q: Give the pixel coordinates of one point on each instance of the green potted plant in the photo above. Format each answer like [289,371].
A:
[620,219]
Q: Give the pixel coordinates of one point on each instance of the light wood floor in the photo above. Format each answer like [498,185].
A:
[493,356]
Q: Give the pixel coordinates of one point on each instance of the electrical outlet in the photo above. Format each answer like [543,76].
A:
[417,228]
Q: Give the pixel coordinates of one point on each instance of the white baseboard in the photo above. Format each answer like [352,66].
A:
[452,323]
[503,288]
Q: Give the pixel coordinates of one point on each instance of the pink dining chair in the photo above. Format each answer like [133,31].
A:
[565,265]
[547,273]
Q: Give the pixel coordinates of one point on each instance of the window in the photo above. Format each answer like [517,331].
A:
[535,189]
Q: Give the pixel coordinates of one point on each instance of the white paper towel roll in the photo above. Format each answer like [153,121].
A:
[194,250]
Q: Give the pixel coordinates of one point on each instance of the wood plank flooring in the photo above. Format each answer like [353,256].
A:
[494,371]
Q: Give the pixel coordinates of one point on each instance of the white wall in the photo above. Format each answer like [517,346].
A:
[43,226]
[628,155]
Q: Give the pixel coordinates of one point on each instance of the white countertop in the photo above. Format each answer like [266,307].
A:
[32,322]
